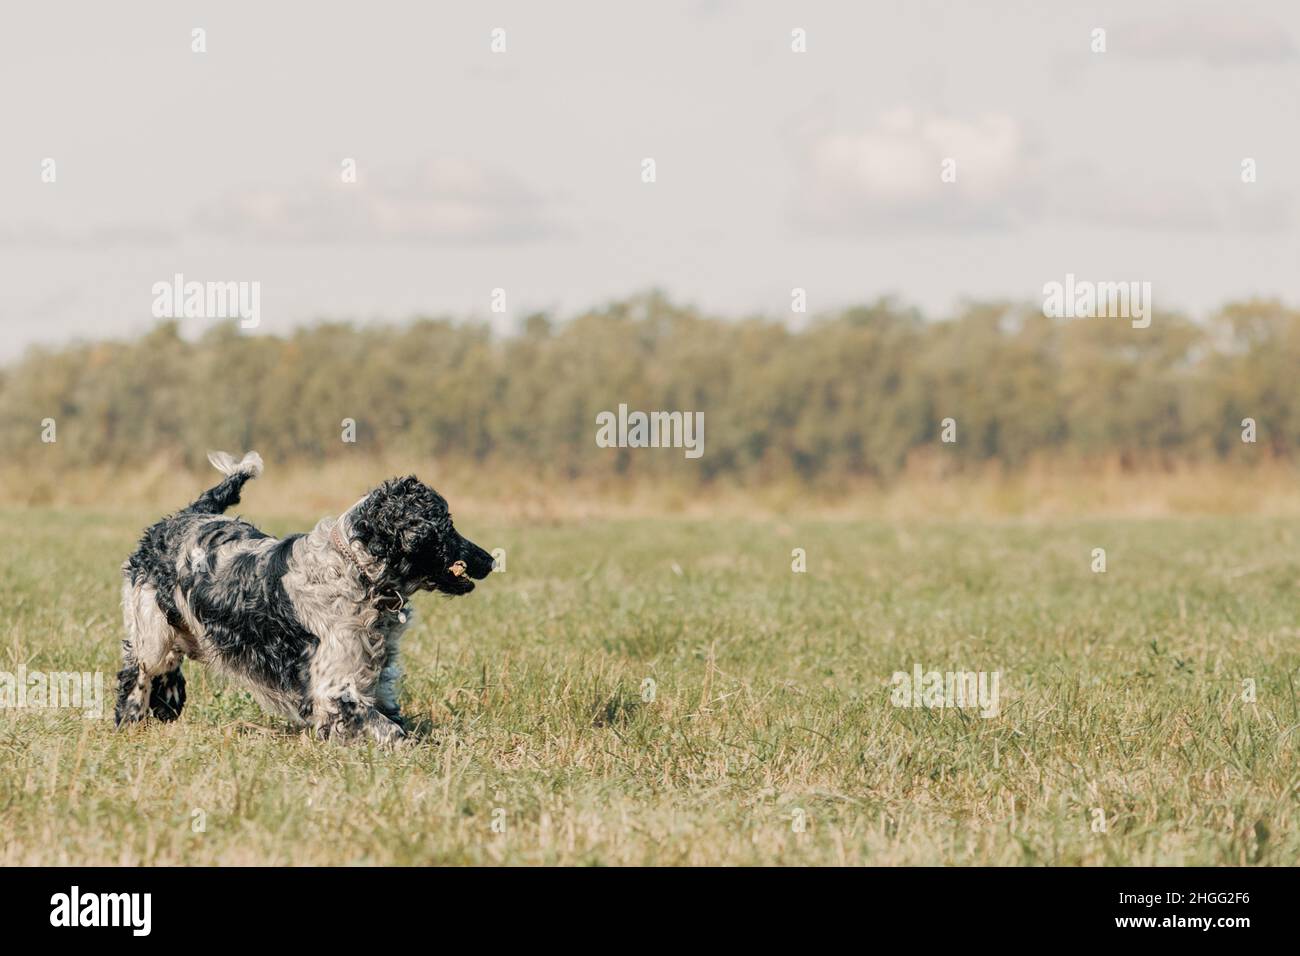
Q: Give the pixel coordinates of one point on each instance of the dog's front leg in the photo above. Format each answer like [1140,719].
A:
[386,696]
[392,714]
[353,686]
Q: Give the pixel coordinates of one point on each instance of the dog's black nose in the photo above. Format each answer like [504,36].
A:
[477,561]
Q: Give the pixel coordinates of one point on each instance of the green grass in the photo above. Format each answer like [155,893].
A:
[1120,691]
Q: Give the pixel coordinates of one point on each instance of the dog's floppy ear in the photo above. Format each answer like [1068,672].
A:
[416,504]
[399,518]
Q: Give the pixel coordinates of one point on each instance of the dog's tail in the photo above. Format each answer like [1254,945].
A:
[218,498]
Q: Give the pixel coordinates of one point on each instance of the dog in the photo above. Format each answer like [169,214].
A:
[309,623]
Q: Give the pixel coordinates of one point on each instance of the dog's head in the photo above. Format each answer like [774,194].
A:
[405,525]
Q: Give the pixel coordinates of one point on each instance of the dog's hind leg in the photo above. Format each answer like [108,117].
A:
[151,660]
[167,694]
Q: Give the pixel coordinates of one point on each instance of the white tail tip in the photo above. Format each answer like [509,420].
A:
[224,462]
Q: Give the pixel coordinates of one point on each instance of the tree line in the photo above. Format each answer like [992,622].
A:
[852,394]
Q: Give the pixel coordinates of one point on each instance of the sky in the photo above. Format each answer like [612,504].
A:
[523,170]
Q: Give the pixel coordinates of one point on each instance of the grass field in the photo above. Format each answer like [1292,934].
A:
[1121,691]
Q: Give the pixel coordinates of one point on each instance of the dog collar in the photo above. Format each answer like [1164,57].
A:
[339,538]
[336,539]
[393,600]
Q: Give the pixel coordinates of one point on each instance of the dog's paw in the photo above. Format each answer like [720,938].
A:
[387,732]
[128,714]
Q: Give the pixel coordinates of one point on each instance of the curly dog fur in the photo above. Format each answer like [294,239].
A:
[309,623]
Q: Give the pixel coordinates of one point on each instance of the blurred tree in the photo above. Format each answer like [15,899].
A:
[852,394]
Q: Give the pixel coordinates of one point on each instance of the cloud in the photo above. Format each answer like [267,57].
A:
[31,234]
[437,202]
[1087,194]
[446,200]
[887,176]
[1216,37]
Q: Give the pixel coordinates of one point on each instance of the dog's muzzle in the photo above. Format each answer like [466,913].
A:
[473,564]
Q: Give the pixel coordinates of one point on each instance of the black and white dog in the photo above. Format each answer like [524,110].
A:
[310,623]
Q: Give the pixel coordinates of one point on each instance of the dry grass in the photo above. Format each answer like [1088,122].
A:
[1121,691]
[927,492]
